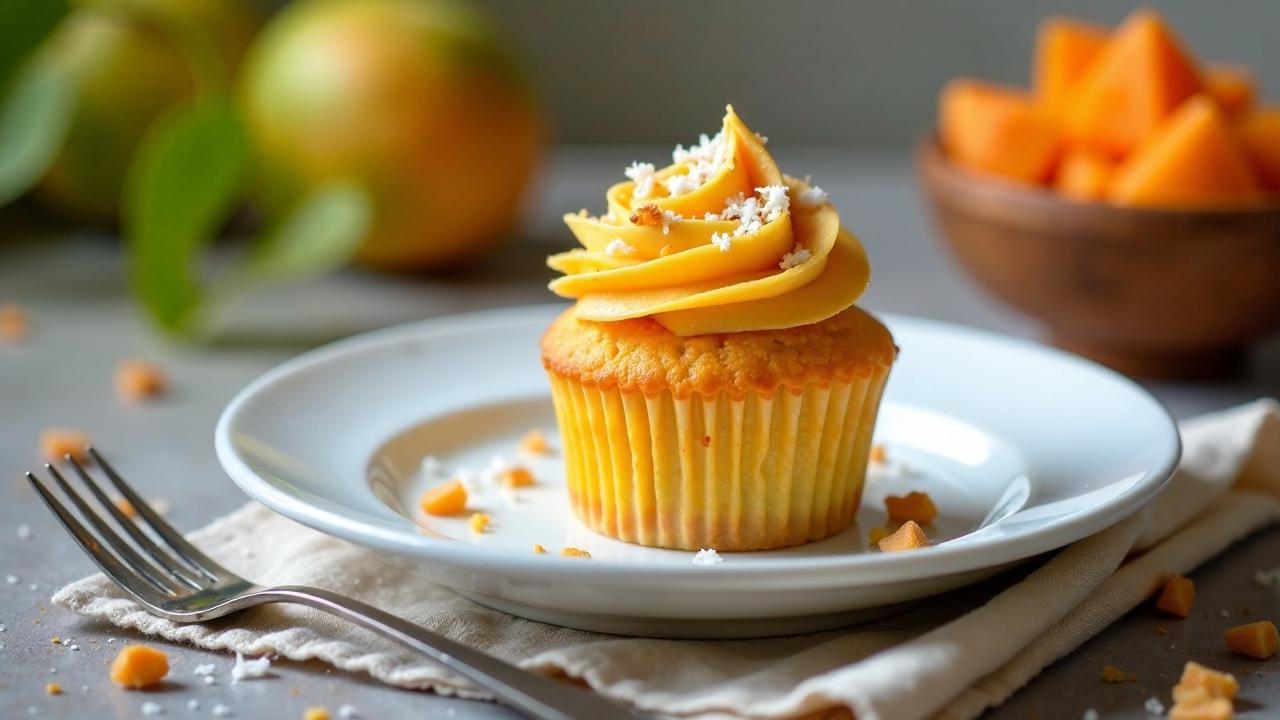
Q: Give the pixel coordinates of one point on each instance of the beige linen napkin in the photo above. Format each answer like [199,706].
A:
[942,659]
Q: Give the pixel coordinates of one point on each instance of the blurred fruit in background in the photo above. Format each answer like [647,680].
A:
[417,100]
[128,61]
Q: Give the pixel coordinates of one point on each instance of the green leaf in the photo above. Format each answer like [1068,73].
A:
[24,24]
[182,185]
[35,114]
[319,235]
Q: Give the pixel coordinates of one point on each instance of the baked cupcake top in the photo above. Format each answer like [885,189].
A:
[720,241]
[640,355]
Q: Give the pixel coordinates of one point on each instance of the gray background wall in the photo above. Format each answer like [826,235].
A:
[812,71]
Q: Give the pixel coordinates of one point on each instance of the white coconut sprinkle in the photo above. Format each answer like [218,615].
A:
[1268,578]
[618,247]
[348,711]
[11,579]
[221,710]
[669,217]
[722,241]
[812,196]
[1224,613]
[24,532]
[1153,706]
[798,256]
[203,669]
[249,668]
[776,201]
[193,704]
[152,708]
[707,557]
[642,174]
[209,680]
[1090,714]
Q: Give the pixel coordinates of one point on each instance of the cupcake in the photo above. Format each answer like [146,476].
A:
[714,384]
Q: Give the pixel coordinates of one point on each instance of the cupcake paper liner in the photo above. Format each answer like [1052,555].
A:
[717,472]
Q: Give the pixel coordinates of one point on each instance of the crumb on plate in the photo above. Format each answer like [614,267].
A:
[515,477]
[876,534]
[534,442]
[139,666]
[479,522]
[575,552]
[1177,597]
[915,506]
[539,550]
[447,498]
[908,537]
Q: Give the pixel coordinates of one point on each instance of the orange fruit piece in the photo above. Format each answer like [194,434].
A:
[1084,175]
[1140,76]
[139,666]
[1191,160]
[1064,50]
[1178,596]
[997,130]
[908,537]
[1259,131]
[915,506]
[1232,86]
[139,380]
[57,443]
[1257,640]
[448,498]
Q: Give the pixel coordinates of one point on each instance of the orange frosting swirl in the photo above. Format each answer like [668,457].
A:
[718,241]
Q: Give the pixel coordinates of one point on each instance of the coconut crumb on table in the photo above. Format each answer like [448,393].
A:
[1268,577]
[245,669]
[57,443]
[1153,706]
[347,712]
[707,557]
[152,708]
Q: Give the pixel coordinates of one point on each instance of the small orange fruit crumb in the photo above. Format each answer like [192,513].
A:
[915,506]
[1177,597]
[449,498]
[1113,674]
[1199,681]
[879,454]
[908,537]
[876,534]
[55,640]
[535,443]
[139,666]
[316,713]
[539,550]
[138,380]
[13,323]
[479,521]
[1161,630]
[516,477]
[56,443]
[575,552]
[1257,640]
[53,688]
[1207,709]
[126,508]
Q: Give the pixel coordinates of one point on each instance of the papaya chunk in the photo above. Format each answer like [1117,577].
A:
[1192,160]
[997,130]
[1138,78]
[1177,596]
[1257,640]
[1064,50]
[1260,133]
[1084,175]
[448,498]
[1232,86]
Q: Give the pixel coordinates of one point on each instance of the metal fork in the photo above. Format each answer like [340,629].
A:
[180,583]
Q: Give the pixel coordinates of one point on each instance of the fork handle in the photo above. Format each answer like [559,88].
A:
[534,695]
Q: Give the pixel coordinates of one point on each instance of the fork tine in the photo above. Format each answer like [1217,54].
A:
[127,555]
[161,527]
[125,577]
[154,552]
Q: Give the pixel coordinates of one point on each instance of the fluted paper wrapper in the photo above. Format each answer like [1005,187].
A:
[717,472]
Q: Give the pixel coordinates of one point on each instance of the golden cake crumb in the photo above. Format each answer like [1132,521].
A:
[478,522]
[879,454]
[908,537]
[448,498]
[53,688]
[1210,709]
[55,640]
[316,713]
[14,323]
[535,442]
[1177,597]
[575,552]
[516,477]
[56,443]
[139,380]
[646,214]
[539,550]
[1113,674]
[1258,640]
[139,666]
[916,506]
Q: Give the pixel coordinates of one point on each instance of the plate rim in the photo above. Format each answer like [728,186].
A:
[869,568]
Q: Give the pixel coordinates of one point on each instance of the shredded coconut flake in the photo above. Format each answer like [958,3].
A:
[348,711]
[812,196]
[722,241]
[618,247]
[152,708]
[193,704]
[11,579]
[249,668]
[1090,714]
[1268,578]
[24,532]
[669,217]
[642,174]
[221,710]
[707,557]
[203,669]
[776,201]
[798,256]
[1153,706]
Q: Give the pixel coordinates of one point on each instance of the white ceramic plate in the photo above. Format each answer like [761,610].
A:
[1023,448]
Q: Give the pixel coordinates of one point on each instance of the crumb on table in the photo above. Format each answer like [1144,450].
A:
[447,498]
[139,666]
[57,443]
[1113,674]
[1177,597]
[539,550]
[139,380]
[908,537]
[915,506]
[316,713]
[14,323]
[1203,694]
[1258,640]
[53,688]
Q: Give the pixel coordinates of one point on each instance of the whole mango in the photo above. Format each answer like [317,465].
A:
[419,101]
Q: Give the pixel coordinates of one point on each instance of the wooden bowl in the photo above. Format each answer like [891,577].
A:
[1155,293]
